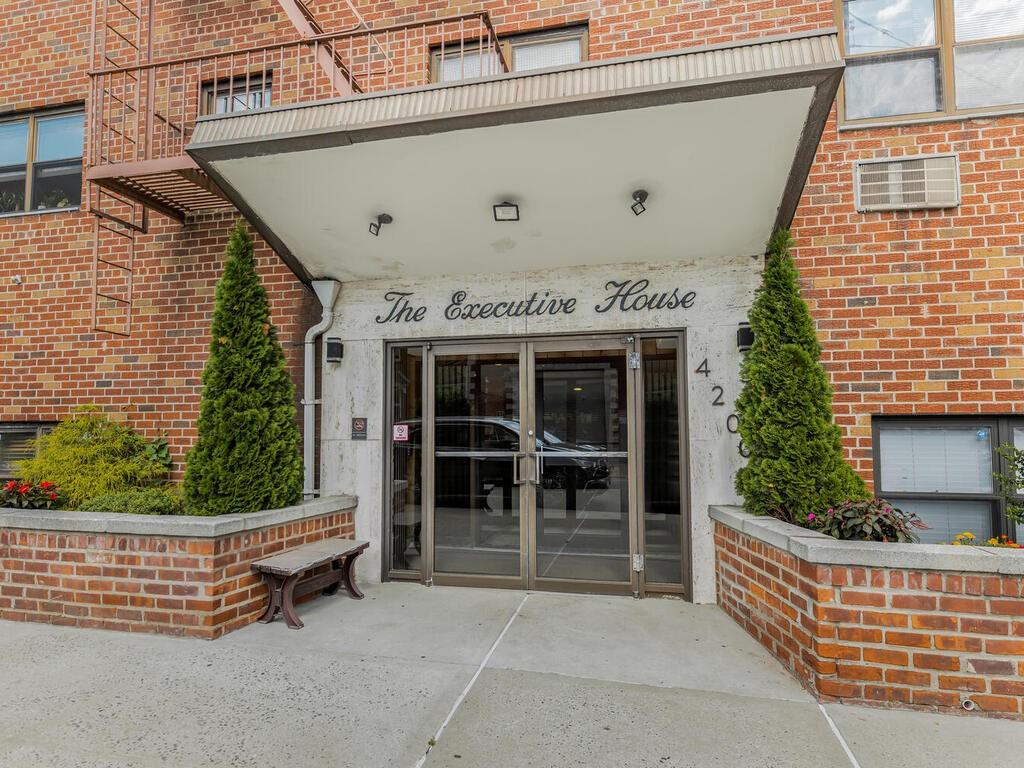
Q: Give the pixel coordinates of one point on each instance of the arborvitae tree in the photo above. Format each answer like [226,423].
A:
[796,463]
[247,456]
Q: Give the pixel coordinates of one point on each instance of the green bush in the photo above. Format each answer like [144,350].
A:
[88,455]
[247,455]
[1012,481]
[152,501]
[796,466]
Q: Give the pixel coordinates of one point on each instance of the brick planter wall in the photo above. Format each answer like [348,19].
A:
[171,575]
[914,626]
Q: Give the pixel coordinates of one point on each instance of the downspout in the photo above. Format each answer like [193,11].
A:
[327,292]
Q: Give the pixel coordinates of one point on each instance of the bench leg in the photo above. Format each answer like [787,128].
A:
[288,602]
[274,586]
[348,576]
[336,567]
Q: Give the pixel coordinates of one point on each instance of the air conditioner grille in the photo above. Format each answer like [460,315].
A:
[906,184]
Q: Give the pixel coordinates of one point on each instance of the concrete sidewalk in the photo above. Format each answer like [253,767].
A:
[498,678]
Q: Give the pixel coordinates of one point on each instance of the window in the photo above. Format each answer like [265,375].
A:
[925,58]
[554,48]
[16,445]
[943,470]
[931,181]
[237,94]
[41,162]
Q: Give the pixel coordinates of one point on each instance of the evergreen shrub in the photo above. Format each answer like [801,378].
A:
[88,455]
[151,501]
[247,455]
[795,466]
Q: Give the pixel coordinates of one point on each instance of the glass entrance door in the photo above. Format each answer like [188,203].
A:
[548,464]
[477,444]
[581,523]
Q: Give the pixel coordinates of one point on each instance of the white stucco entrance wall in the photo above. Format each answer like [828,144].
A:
[723,291]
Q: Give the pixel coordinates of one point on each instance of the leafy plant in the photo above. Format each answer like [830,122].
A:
[44,495]
[151,501]
[1011,484]
[88,455]
[159,450]
[868,520]
[247,455]
[796,464]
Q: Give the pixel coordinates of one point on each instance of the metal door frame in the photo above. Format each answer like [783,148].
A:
[427,541]
[526,348]
[625,345]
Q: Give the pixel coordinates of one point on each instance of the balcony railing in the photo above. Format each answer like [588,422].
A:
[143,114]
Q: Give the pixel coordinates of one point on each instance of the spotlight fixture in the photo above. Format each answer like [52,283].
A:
[639,198]
[382,219]
[506,211]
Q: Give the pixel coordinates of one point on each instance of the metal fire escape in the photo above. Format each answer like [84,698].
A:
[142,110]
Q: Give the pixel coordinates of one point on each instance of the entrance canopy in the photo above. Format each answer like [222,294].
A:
[720,139]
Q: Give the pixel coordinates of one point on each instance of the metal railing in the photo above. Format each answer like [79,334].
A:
[148,112]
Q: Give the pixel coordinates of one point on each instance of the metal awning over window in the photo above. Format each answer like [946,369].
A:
[719,138]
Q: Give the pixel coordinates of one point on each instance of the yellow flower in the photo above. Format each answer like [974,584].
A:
[966,535]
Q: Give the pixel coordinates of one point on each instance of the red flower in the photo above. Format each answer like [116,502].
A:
[11,485]
[51,496]
[45,484]
[24,489]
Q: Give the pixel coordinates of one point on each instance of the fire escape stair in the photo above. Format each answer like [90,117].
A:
[173,186]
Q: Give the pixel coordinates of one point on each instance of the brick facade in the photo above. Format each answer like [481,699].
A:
[173,585]
[919,312]
[922,639]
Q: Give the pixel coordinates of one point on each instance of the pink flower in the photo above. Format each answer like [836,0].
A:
[811,516]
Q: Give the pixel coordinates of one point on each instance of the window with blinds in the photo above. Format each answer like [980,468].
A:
[16,444]
[943,469]
[907,183]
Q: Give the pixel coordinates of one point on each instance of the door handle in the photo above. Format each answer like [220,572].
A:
[538,467]
[516,480]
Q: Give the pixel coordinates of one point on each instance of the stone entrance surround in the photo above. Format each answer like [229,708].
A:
[902,625]
[140,573]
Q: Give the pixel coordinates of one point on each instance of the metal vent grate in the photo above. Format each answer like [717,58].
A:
[907,183]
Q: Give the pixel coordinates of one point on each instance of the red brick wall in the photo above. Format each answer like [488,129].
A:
[51,360]
[919,312]
[201,587]
[885,637]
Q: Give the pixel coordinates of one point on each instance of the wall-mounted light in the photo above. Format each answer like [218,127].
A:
[506,211]
[639,198]
[382,219]
[744,337]
[335,350]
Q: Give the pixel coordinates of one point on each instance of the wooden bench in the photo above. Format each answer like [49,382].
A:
[284,574]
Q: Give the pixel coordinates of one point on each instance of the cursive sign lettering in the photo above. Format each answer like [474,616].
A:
[459,309]
[401,309]
[624,296]
[633,296]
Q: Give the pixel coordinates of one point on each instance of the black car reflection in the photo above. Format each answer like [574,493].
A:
[462,445]
[474,470]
